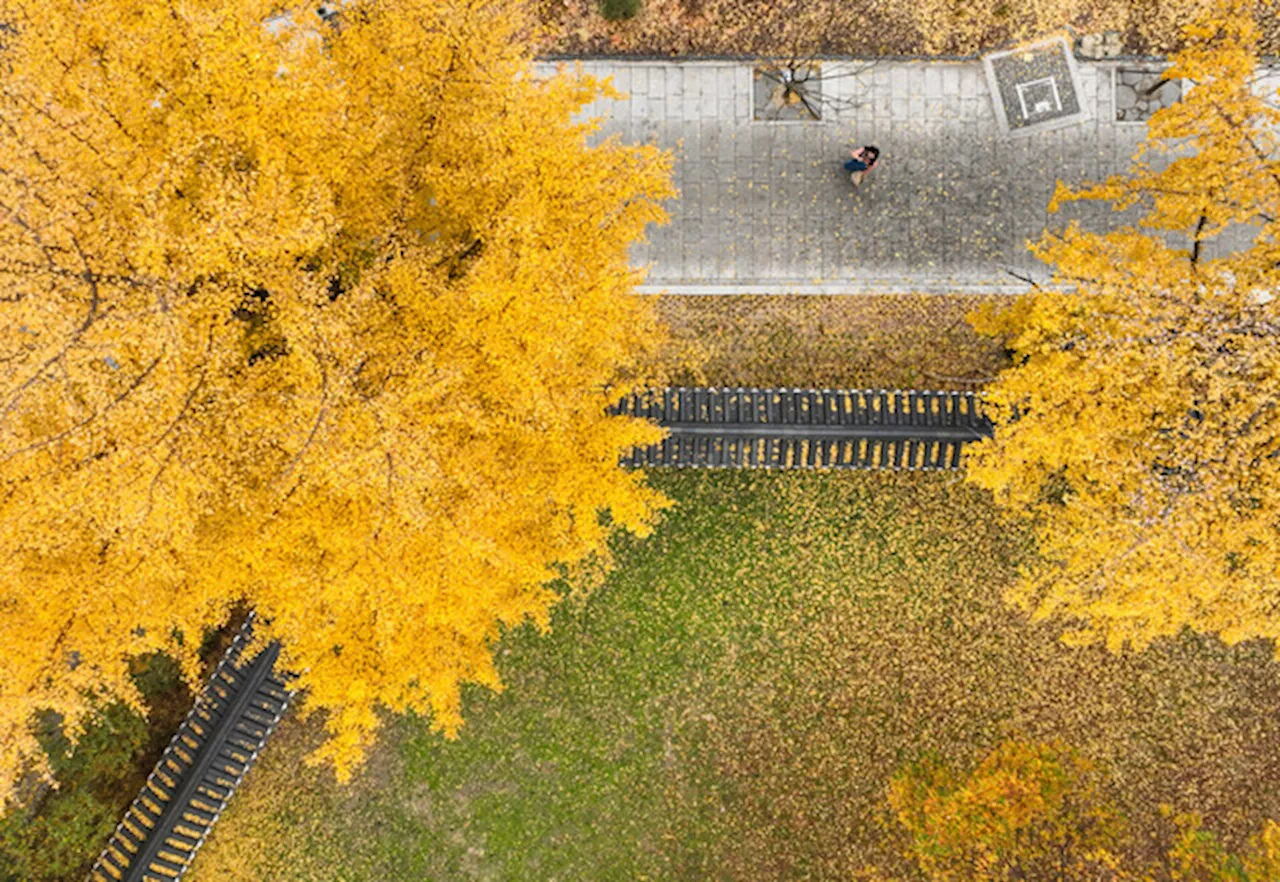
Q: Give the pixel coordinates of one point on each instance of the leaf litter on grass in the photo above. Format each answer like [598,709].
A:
[895,341]
[901,644]
[731,703]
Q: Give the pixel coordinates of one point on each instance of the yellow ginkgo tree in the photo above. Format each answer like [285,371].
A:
[318,319]
[1140,425]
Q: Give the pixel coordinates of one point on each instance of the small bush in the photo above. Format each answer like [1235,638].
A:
[57,839]
[57,842]
[619,10]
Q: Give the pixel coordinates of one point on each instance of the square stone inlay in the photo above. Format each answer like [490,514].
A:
[1044,97]
[1035,87]
[1140,93]
[787,92]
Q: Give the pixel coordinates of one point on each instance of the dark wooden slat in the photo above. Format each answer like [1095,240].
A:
[926,454]
[178,840]
[201,816]
[114,861]
[146,817]
[798,428]
[175,869]
[215,791]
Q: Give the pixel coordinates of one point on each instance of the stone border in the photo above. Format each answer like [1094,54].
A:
[1263,60]
[997,103]
[853,287]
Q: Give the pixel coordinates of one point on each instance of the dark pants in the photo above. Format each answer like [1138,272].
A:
[853,165]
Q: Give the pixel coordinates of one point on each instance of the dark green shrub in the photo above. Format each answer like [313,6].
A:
[58,838]
[619,10]
[58,842]
[70,825]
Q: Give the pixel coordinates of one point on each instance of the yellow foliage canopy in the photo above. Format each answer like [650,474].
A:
[1140,427]
[318,320]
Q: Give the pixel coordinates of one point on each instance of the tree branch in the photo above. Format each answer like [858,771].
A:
[90,316]
[137,381]
[1195,247]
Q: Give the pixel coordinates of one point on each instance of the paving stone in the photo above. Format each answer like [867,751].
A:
[900,82]
[948,208]
[933,81]
[951,81]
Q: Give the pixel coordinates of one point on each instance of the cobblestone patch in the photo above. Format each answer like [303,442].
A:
[1141,93]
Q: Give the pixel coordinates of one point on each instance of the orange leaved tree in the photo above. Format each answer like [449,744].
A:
[1140,426]
[1037,811]
[1028,811]
[321,320]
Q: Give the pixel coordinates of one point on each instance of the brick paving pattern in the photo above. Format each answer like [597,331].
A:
[766,207]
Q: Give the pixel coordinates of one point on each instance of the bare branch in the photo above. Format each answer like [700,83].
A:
[92,314]
[1020,277]
[1195,247]
[53,439]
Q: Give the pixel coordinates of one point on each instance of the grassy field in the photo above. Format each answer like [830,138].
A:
[731,703]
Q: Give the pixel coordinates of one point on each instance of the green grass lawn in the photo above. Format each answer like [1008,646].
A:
[731,703]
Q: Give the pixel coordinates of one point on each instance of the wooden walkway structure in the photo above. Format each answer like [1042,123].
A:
[806,428]
[199,770]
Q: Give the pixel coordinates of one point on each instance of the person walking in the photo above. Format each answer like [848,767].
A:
[861,161]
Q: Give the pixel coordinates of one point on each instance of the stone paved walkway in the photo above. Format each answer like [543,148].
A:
[765,207]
